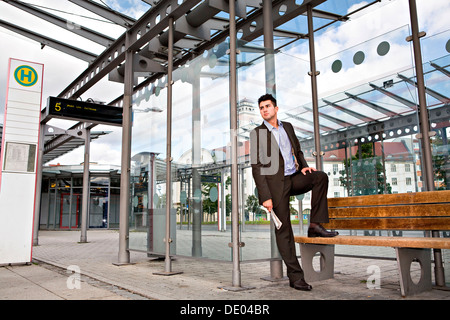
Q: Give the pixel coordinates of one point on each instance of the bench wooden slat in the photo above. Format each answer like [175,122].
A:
[390,224]
[407,211]
[442,196]
[401,242]
[415,210]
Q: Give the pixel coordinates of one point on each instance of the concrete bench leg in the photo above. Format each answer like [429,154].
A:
[308,251]
[405,256]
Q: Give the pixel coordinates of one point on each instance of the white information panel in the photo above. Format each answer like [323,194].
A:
[19,159]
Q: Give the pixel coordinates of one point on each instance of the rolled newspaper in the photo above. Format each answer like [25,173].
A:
[275,219]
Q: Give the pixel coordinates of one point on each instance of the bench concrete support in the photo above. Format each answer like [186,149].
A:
[326,251]
[405,256]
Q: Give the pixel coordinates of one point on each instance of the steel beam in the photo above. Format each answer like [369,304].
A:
[378,130]
[46,41]
[441,69]
[253,26]
[429,91]
[350,112]
[64,23]
[54,143]
[107,13]
[372,105]
[142,31]
[402,100]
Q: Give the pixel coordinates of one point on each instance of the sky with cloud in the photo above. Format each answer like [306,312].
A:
[363,31]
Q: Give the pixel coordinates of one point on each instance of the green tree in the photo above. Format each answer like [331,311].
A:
[252,205]
[441,162]
[208,205]
[368,175]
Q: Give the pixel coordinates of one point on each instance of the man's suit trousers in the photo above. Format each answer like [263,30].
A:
[317,182]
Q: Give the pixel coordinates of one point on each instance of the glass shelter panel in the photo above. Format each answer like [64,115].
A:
[200,138]
[200,145]
[368,117]
[368,129]
[436,50]
[148,168]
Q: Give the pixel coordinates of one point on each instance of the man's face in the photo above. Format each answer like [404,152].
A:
[268,110]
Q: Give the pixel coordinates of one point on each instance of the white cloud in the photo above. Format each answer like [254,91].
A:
[131,8]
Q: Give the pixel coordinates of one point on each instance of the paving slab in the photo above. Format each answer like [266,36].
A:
[200,280]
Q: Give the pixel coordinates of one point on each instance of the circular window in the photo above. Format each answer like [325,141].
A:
[383,48]
[359,57]
[336,66]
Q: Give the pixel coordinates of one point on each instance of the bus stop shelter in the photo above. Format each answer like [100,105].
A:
[170,59]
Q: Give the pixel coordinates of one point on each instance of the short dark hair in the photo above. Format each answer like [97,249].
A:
[267,96]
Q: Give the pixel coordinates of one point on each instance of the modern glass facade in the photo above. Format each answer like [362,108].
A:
[369,132]
[62,193]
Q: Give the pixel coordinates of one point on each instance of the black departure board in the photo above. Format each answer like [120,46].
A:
[84,111]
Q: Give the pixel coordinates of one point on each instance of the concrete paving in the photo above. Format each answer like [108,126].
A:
[64,269]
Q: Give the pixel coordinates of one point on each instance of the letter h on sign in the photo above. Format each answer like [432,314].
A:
[28,75]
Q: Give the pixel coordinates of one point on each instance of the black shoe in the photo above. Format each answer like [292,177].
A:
[300,285]
[319,231]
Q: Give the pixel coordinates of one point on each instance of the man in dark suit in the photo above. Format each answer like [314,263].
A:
[280,171]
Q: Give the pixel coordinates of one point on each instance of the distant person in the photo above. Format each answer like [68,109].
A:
[280,171]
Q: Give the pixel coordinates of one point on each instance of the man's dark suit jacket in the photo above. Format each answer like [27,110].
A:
[268,164]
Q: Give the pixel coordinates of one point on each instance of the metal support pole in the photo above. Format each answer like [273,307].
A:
[427,161]
[86,189]
[315,103]
[236,276]
[241,199]
[223,209]
[38,191]
[276,264]
[196,205]
[269,58]
[168,262]
[124,254]
[151,191]
[168,240]
[37,200]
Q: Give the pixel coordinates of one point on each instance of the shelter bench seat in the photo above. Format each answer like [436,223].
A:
[424,211]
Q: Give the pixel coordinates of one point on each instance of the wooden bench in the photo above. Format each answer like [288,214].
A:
[425,211]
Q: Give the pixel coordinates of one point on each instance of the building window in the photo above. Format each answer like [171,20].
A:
[408,181]
[335,168]
[407,167]
[336,182]
[393,168]
[394,181]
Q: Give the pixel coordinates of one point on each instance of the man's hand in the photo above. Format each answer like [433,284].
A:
[268,205]
[304,170]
